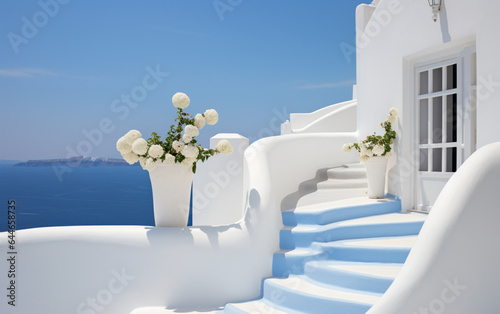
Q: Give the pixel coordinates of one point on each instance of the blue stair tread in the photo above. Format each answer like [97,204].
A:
[373,277]
[340,210]
[368,250]
[394,224]
[256,307]
[383,243]
[304,294]
[376,270]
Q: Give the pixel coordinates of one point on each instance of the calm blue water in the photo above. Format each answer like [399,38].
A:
[86,196]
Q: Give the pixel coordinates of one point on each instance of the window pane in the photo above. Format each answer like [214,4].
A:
[451,118]
[424,82]
[424,118]
[437,159]
[423,160]
[437,120]
[437,80]
[451,159]
[451,79]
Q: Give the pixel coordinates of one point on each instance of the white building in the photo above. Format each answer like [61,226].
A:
[443,76]
[340,256]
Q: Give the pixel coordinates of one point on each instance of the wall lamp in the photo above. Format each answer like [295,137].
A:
[436,7]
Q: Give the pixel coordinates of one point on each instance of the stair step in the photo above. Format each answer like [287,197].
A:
[386,225]
[343,184]
[373,277]
[381,250]
[286,262]
[302,294]
[347,173]
[325,195]
[339,210]
[262,306]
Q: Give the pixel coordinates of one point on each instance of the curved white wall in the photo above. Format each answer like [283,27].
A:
[300,121]
[342,119]
[453,267]
[114,269]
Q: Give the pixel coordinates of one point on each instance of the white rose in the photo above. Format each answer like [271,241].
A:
[346,148]
[199,121]
[177,146]
[224,147]
[123,146]
[393,112]
[180,100]
[150,164]
[190,151]
[191,130]
[369,153]
[391,119]
[186,138]
[378,150]
[142,161]
[130,157]
[140,146]
[188,161]
[211,116]
[364,158]
[388,154]
[156,151]
[132,135]
[169,159]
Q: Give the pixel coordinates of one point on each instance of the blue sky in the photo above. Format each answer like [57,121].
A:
[67,68]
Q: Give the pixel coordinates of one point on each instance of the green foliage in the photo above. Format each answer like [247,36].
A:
[175,134]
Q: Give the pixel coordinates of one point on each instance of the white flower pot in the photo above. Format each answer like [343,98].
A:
[171,194]
[375,172]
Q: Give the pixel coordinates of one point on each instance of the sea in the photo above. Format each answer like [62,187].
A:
[105,195]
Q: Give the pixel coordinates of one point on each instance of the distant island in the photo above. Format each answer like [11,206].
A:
[74,162]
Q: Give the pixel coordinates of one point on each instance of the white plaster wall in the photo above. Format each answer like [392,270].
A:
[402,31]
[453,267]
[218,184]
[115,269]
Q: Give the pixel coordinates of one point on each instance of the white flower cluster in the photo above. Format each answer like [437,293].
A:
[180,100]
[140,146]
[153,152]
[364,152]
[177,146]
[224,147]
[393,113]
[211,116]
[346,148]
[124,146]
[132,146]
[156,151]
[376,146]
[189,133]
[199,121]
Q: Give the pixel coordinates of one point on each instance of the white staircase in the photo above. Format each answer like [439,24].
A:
[340,251]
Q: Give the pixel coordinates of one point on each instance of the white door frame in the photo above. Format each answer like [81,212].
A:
[465,52]
[436,175]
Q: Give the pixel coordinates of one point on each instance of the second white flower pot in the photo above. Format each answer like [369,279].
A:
[171,186]
[375,172]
